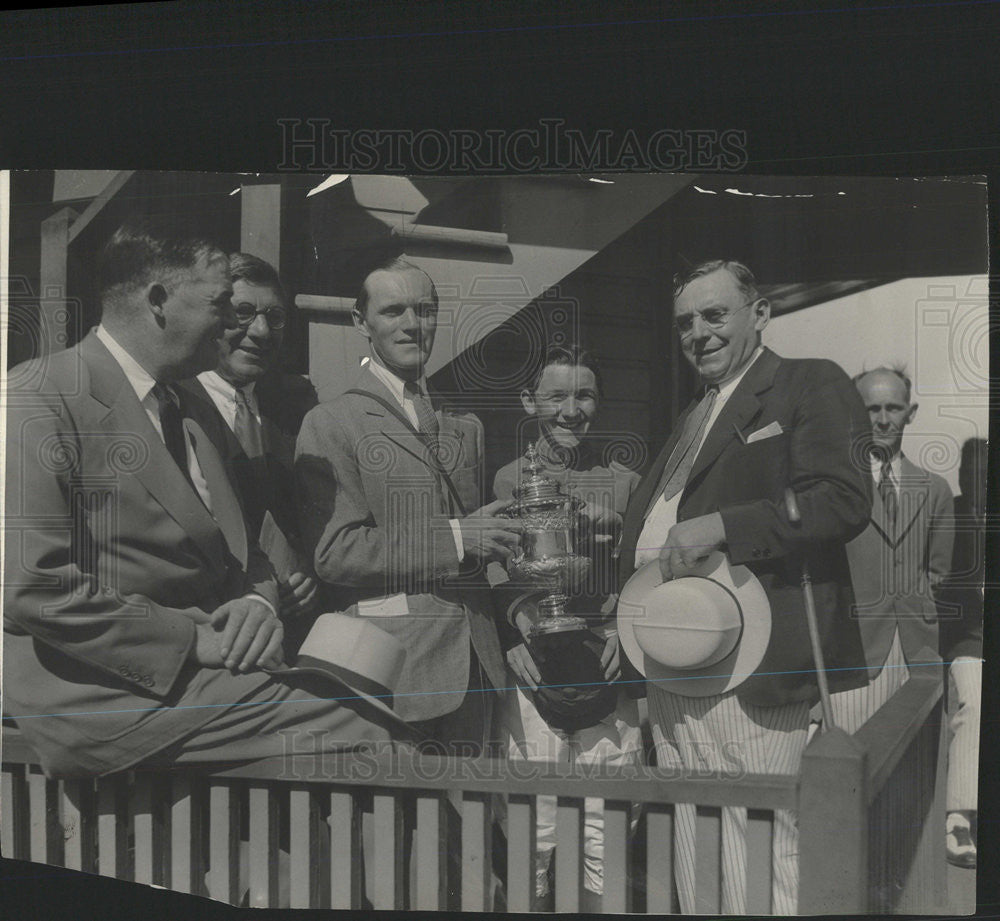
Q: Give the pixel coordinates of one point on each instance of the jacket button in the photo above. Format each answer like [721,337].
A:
[767,551]
[756,553]
[147,682]
[123,670]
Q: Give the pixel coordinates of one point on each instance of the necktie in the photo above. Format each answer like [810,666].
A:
[887,491]
[427,422]
[678,469]
[246,427]
[171,422]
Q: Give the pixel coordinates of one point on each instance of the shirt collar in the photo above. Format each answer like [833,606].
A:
[139,378]
[395,383]
[214,382]
[726,389]
[896,466]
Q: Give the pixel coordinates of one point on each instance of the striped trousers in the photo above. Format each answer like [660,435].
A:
[852,709]
[722,733]
[965,676]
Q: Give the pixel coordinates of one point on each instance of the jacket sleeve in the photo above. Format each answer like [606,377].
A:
[58,587]
[828,429]
[349,547]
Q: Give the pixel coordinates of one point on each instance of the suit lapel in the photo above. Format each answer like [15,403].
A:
[879,519]
[225,506]
[160,475]
[649,489]
[402,432]
[914,491]
[739,412]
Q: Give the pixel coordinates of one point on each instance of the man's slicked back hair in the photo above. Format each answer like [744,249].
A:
[144,247]
[745,279]
[396,264]
[571,355]
[255,271]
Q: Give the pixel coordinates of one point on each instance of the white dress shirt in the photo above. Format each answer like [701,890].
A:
[223,395]
[397,387]
[143,383]
[895,465]
[663,515]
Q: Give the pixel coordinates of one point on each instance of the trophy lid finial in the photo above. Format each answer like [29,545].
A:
[534,483]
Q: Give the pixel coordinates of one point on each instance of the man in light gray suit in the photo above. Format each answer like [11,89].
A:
[386,482]
[900,558]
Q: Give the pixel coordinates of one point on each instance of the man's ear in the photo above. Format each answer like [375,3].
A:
[528,402]
[156,297]
[911,414]
[762,313]
[359,323]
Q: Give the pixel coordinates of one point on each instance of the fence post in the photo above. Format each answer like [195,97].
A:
[833,826]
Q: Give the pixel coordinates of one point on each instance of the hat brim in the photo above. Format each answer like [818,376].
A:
[644,600]
[384,714]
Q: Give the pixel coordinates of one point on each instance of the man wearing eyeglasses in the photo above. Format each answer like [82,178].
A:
[263,410]
[759,424]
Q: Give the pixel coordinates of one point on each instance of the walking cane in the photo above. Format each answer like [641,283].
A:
[792,507]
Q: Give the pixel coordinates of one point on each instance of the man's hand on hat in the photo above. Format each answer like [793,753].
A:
[486,536]
[689,542]
[251,636]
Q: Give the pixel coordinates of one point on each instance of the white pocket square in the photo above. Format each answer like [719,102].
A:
[769,431]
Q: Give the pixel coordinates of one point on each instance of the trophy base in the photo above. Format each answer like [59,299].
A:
[564,624]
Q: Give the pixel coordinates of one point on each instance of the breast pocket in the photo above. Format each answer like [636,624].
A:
[760,469]
[467,484]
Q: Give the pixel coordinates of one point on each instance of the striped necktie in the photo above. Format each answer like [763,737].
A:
[427,421]
[678,468]
[246,427]
[887,492]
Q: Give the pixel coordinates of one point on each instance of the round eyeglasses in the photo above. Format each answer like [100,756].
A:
[246,314]
[714,317]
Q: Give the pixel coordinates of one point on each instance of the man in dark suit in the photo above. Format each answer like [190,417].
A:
[761,424]
[263,411]
[138,617]
[386,483]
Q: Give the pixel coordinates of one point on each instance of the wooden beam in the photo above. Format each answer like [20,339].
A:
[99,203]
[833,826]
[341,307]
[449,236]
[54,306]
[260,222]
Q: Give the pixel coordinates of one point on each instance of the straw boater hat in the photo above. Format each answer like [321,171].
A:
[358,657]
[697,635]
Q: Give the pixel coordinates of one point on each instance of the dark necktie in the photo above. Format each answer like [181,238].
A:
[246,427]
[427,422]
[678,468]
[887,491]
[172,424]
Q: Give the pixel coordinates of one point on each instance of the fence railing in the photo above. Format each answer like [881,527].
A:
[869,810]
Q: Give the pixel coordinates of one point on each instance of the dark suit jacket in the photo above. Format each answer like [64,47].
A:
[267,484]
[377,517]
[111,560]
[890,570]
[823,425]
[961,596]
